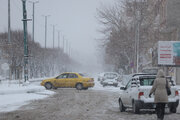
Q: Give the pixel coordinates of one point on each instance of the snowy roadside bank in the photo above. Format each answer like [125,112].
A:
[18,89]
[14,96]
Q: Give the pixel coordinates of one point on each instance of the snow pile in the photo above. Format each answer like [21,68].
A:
[17,89]
[14,96]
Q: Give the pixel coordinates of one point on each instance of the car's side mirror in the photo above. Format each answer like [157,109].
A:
[122,88]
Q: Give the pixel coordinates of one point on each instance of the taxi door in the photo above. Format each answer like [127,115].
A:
[61,80]
[72,80]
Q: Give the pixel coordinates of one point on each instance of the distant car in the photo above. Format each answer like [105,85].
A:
[101,76]
[110,79]
[135,94]
[72,80]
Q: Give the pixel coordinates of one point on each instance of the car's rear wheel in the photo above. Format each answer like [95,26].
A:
[48,85]
[135,108]
[79,86]
[121,106]
[172,109]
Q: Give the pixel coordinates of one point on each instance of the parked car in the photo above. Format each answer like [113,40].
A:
[101,76]
[73,80]
[135,94]
[110,79]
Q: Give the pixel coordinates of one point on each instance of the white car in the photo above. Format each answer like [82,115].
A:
[101,76]
[110,79]
[135,94]
[109,82]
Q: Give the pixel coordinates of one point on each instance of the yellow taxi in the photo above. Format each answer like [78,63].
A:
[69,79]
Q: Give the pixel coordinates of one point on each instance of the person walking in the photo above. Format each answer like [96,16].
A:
[160,94]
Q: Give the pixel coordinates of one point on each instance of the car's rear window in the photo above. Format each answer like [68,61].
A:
[84,75]
[147,81]
[110,75]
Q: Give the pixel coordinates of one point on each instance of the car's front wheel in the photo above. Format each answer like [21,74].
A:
[79,86]
[121,106]
[48,85]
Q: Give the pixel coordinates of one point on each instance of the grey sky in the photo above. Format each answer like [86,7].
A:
[74,18]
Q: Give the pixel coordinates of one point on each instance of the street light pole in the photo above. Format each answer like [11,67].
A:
[69,50]
[9,22]
[66,47]
[33,17]
[25,41]
[46,28]
[53,35]
[138,28]
[58,39]
[63,45]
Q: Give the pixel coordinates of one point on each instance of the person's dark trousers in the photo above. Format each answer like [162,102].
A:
[160,108]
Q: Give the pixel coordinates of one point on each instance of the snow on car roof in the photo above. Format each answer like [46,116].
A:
[137,75]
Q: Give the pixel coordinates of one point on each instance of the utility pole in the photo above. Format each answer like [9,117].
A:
[9,22]
[46,28]
[58,39]
[63,45]
[67,47]
[53,34]
[69,50]
[9,32]
[33,17]
[138,29]
[25,41]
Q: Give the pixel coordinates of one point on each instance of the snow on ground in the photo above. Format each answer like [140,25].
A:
[14,95]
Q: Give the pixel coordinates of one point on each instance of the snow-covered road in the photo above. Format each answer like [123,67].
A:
[98,103]
[71,104]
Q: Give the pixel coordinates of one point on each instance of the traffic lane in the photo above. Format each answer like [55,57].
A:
[71,104]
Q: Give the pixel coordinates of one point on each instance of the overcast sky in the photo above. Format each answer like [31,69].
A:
[74,18]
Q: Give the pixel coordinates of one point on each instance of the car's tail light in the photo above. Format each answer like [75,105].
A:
[176,93]
[140,94]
